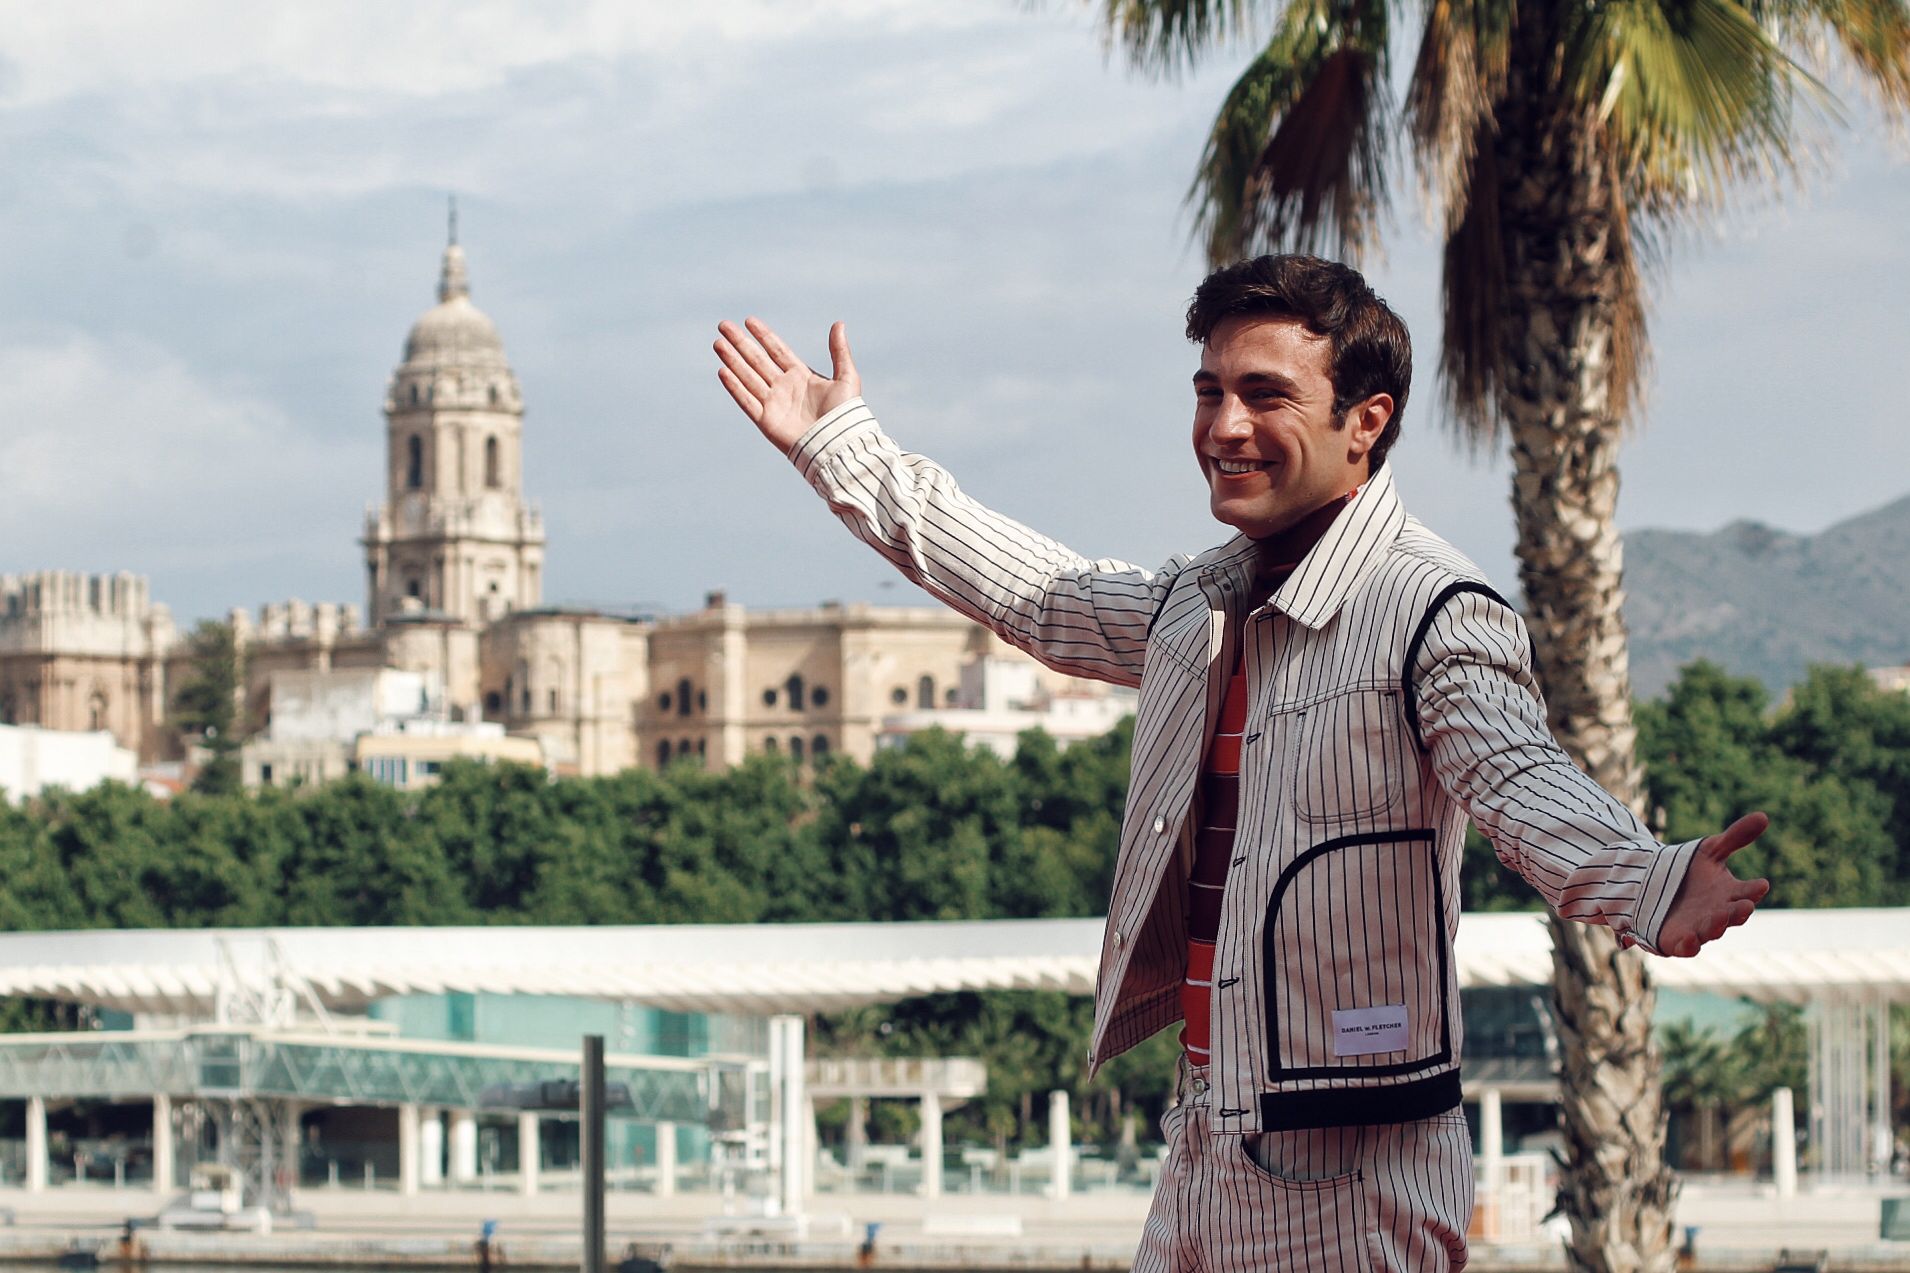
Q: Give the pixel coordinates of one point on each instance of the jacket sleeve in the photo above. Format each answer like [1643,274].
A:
[1086,618]
[1482,719]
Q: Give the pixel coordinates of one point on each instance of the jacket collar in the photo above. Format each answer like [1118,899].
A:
[1333,568]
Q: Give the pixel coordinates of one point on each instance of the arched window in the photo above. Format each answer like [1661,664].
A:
[663,753]
[494,395]
[925,693]
[769,744]
[793,687]
[414,462]
[491,477]
[492,704]
[683,697]
[96,712]
[663,701]
[819,746]
[553,702]
[414,590]
[769,697]
[682,746]
[819,696]
[414,393]
[795,747]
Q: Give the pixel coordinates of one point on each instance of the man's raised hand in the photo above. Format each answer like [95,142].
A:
[1712,899]
[777,390]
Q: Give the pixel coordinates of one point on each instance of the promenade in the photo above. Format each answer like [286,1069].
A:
[1741,1226]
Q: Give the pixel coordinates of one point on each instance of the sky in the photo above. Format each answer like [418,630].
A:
[221,218]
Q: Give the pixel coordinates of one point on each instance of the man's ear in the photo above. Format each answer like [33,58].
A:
[1365,422]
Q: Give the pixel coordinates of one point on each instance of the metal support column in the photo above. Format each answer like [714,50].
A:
[409,1134]
[1783,1143]
[530,1152]
[931,1145]
[164,1173]
[1061,1136]
[666,1160]
[790,1102]
[36,1144]
[1491,1160]
[431,1149]
[591,1118]
[464,1147]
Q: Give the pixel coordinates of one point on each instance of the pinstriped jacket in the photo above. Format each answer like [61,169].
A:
[1390,698]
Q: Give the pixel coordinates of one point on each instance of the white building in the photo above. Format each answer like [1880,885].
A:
[394,725]
[998,699]
[33,759]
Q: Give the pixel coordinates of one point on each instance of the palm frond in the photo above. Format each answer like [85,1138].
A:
[1692,94]
[1458,73]
[1296,158]
[1169,35]
[1875,36]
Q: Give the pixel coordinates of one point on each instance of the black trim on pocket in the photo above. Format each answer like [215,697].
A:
[1359,1106]
[1271,964]
[1446,594]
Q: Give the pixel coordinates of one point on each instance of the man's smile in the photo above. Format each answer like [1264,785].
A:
[1237,468]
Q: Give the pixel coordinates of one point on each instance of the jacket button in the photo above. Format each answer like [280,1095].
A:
[1160,823]
[1117,939]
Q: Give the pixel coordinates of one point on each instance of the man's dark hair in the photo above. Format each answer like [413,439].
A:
[1371,351]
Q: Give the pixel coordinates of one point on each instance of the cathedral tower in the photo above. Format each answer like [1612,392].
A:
[454,535]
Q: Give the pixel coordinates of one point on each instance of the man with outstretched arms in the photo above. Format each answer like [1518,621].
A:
[1325,699]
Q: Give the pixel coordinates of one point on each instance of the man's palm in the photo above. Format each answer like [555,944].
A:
[781,394]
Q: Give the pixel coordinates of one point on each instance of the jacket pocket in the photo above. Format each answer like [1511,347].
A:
[1357,960]
[1350,756]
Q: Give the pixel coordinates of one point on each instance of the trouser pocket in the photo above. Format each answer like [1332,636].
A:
[1282,1222]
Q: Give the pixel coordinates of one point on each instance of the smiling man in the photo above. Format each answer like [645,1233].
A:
[1325,700]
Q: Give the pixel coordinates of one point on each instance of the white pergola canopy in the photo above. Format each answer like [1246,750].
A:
[762,969]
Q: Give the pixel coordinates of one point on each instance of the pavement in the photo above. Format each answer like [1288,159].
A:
[1740,1226]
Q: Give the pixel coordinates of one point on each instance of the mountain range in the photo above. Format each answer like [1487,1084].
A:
[1767,603]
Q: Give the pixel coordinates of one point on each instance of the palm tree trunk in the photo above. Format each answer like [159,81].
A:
[1571,321]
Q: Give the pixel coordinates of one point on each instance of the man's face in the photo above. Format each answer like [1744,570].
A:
[1264,429]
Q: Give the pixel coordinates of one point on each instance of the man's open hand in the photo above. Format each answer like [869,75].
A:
[777,390]
[1712,899]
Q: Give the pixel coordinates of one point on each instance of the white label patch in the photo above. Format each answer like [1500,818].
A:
[1363,1031]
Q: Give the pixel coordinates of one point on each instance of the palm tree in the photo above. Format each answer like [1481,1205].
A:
[1558,140]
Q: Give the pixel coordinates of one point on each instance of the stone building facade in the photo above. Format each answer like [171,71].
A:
[454,558]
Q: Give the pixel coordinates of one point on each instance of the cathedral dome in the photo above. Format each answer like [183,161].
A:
[454,332]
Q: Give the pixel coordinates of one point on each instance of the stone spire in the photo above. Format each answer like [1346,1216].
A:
[451,280]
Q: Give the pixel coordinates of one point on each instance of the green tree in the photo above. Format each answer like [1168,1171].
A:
[1559,142]
[359,860]
[206,709]
[1713,752]
[1839,723]
[922,833]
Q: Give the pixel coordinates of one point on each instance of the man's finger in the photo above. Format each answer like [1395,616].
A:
[752,405]
[779,353]
[842,366]
[750,347]
[1735,836]
[1753,891]
[739,365]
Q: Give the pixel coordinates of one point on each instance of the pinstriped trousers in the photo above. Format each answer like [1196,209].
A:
[1388,1198]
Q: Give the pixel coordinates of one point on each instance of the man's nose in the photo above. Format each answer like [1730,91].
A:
[1230,422]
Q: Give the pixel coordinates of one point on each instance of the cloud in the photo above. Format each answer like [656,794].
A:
[415,50]
[117,455]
